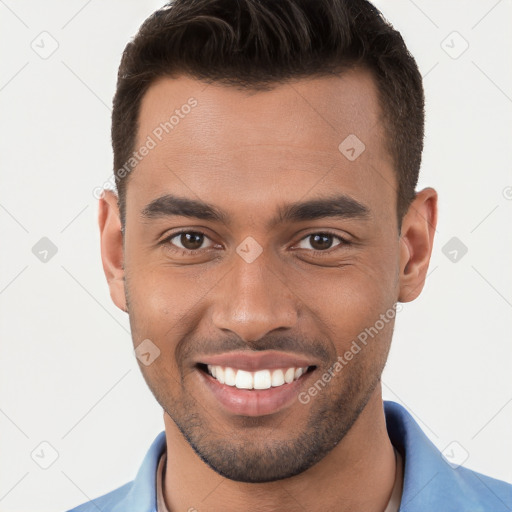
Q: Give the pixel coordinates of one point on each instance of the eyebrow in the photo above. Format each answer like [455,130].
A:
[170,205]
[340,206]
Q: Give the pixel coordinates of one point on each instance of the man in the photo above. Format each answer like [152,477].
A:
[265,227]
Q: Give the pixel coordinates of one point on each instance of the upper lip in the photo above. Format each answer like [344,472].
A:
[253,362]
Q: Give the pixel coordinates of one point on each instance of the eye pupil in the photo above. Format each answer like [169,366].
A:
[192,240]
[321,241]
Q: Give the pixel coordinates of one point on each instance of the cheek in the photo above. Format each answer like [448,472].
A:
[159,307]
[165,301]
[347,302]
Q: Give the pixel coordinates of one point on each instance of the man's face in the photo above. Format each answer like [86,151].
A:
[263,278]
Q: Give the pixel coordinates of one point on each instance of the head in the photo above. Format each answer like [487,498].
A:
[266,156]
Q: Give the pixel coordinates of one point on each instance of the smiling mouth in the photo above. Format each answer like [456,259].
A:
[257,380]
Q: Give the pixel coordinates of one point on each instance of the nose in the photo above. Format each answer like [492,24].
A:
[253,300]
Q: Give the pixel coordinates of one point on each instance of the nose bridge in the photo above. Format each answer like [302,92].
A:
[252,300]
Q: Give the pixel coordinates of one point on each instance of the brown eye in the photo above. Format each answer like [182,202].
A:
[320,241]
[189,240]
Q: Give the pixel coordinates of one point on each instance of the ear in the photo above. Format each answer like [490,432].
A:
[111,238]
[416,240]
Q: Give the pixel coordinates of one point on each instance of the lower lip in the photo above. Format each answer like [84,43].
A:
[254,402]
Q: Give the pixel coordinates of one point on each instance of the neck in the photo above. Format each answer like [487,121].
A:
[357,475]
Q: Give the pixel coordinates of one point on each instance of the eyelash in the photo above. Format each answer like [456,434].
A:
[192,252]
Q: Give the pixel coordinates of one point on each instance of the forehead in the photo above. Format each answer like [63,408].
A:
[327,106]
[242,146]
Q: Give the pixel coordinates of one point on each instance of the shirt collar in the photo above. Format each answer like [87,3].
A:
[430,483]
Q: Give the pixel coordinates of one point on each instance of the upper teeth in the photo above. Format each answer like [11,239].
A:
[262,379]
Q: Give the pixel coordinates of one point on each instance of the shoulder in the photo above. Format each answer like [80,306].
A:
[138,495]
[456,489]
[107,502]
[483,489]
[431,482]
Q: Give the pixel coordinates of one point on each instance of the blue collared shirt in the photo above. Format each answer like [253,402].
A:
[431,484]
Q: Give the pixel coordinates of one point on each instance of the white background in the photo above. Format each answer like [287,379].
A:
[67,371]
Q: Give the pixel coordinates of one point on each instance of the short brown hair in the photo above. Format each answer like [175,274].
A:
[256,44]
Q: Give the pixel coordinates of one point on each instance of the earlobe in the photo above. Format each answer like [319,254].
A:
[416,241]
[111,238]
